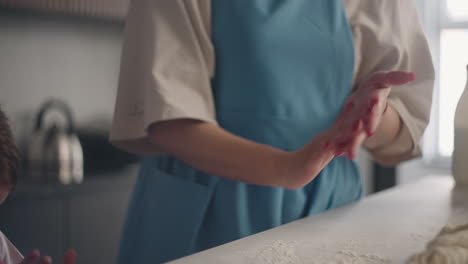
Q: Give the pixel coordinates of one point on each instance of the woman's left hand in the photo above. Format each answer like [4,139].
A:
[365,108]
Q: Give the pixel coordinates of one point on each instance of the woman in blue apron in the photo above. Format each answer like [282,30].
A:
[238,108]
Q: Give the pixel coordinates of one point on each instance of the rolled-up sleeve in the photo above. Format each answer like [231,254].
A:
[388,36]
[166,68]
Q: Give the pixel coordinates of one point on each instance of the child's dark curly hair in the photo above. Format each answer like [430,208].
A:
[9,154]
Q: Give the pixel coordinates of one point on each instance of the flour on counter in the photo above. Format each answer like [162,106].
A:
[278,252]
[348,244]
[350,252]
[344,252]
[358,258]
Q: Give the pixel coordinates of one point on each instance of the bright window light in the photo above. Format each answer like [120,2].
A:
[454,58]
[458,9]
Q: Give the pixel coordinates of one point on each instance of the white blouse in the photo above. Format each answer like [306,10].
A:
[168,61]
[8,253]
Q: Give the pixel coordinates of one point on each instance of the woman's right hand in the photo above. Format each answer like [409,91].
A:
[306,163]
[303,165]
[216,151]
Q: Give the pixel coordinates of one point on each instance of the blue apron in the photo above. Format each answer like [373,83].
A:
[283,71]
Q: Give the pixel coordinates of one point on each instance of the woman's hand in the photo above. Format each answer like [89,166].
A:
[34,256]
[358,120]
[302,166]
[365,108]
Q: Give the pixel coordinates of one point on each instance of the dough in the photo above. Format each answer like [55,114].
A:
[449,246]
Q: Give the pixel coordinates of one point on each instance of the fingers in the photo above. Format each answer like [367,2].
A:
[374,116]
[371,123]
[358,136]
[369,105]
[348,143]
[397,78]
[382,80]
[340,149]
[69,257]
[32,257]
[46,260]
[355,145]
[342,136]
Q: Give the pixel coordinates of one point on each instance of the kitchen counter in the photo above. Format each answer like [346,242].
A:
[386,227]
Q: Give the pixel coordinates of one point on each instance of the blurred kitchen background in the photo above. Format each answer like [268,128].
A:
[74,57]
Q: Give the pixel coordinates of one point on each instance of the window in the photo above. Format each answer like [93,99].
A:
[446,25]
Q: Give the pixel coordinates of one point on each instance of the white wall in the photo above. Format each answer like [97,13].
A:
[44,56]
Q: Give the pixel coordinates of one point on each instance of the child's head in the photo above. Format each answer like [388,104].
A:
[9,158]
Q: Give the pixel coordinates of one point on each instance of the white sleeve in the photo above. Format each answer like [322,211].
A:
[166,69]
[388,36]
[8,253]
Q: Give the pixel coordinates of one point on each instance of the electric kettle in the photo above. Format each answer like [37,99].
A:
[54,153]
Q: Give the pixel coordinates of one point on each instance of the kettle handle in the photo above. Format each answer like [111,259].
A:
[59,105]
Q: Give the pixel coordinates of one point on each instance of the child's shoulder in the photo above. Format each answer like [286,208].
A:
[8,253]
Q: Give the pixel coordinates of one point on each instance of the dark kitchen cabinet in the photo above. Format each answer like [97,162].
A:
[87,217]
[95,225]
[35,223]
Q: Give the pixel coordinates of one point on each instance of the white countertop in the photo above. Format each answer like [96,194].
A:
[383,228]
